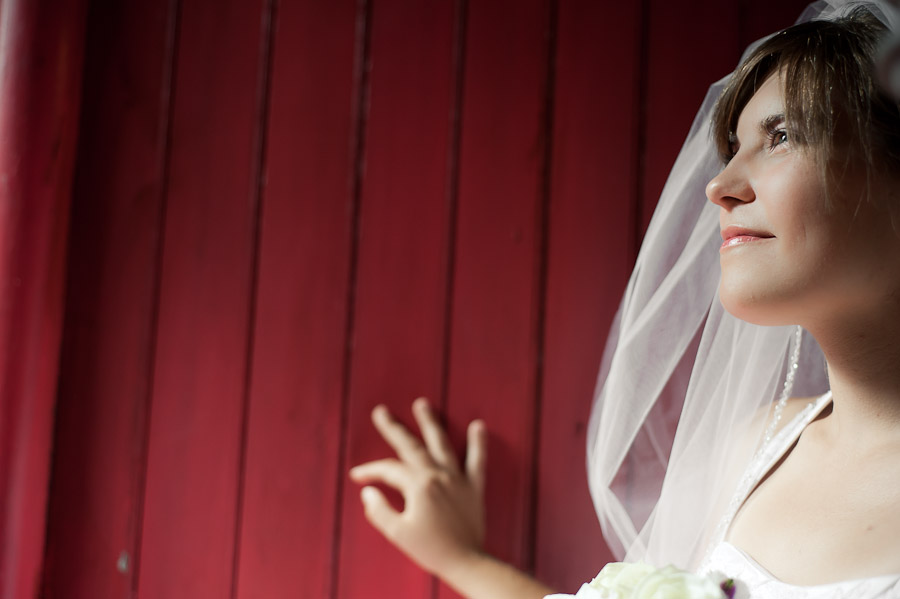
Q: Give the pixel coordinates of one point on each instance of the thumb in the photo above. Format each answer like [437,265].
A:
[379,512]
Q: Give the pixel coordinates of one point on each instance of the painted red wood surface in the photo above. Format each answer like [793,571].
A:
[676,82]
[400,305]
[193,475]
[758,20]
[352,203]
[104,386]
[590,252]
[41,47]
[293,471]
[498,274]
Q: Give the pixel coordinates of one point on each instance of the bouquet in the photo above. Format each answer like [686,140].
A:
[641,581]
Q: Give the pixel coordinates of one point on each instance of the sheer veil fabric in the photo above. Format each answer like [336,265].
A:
[685,388]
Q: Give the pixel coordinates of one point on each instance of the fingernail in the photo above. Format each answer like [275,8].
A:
[368,494]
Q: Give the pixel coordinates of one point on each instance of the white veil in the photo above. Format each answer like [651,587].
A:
[684,386]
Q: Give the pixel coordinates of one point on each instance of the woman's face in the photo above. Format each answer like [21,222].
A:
[788,256]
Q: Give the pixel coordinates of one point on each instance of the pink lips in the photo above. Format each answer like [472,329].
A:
[734,236]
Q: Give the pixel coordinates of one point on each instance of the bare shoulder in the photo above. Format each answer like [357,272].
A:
[792,408]
[763,417]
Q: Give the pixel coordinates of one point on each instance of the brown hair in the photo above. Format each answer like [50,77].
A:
[834,106]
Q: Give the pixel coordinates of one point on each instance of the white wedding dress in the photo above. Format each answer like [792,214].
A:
[754,581]
[732,562]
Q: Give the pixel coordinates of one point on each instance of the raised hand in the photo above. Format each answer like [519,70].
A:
[441,526]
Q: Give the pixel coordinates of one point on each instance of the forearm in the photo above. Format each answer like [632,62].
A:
[482,576]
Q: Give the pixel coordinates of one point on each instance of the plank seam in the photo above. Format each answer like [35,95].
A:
[357,154]
[167,102]
[267,44]
[543,248]
[43,582]
[643,41]
[741,40]
[452,198]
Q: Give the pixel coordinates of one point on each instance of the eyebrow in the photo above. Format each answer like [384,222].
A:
[768,124]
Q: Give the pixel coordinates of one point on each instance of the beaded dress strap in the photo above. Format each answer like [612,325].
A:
[765,459]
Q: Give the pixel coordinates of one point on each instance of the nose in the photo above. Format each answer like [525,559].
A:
[730,187]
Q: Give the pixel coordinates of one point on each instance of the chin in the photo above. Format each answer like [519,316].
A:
[754,307]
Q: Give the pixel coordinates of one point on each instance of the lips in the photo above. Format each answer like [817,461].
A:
[734,236]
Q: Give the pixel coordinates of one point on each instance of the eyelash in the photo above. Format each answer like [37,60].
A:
[776,137]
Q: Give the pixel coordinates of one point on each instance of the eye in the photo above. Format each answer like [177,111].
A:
[775,130]
[731,149]
[777,138]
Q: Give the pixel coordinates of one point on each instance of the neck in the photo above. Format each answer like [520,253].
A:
[863,359]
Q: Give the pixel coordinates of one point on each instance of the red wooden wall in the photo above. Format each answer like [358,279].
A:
[286,212]
[40,89]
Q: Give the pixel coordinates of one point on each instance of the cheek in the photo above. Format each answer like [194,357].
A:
[772,284]
[865,260]
[814,270]
[799,218]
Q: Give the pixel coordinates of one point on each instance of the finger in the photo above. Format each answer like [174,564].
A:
[388,471]
[408,447]
[476,455]
[435,438]
[379,512]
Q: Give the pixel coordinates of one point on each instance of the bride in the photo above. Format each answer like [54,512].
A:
[748,414]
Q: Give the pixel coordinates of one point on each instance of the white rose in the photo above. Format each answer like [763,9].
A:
[617,580]
[671,583]
[641,581]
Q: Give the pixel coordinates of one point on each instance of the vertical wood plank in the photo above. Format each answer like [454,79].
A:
[292,463]
[41,50]
[294,477]
[682,62]
[188,541]
[401,282]
[759,19]
[107,346]
[592,208]
[497,285]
